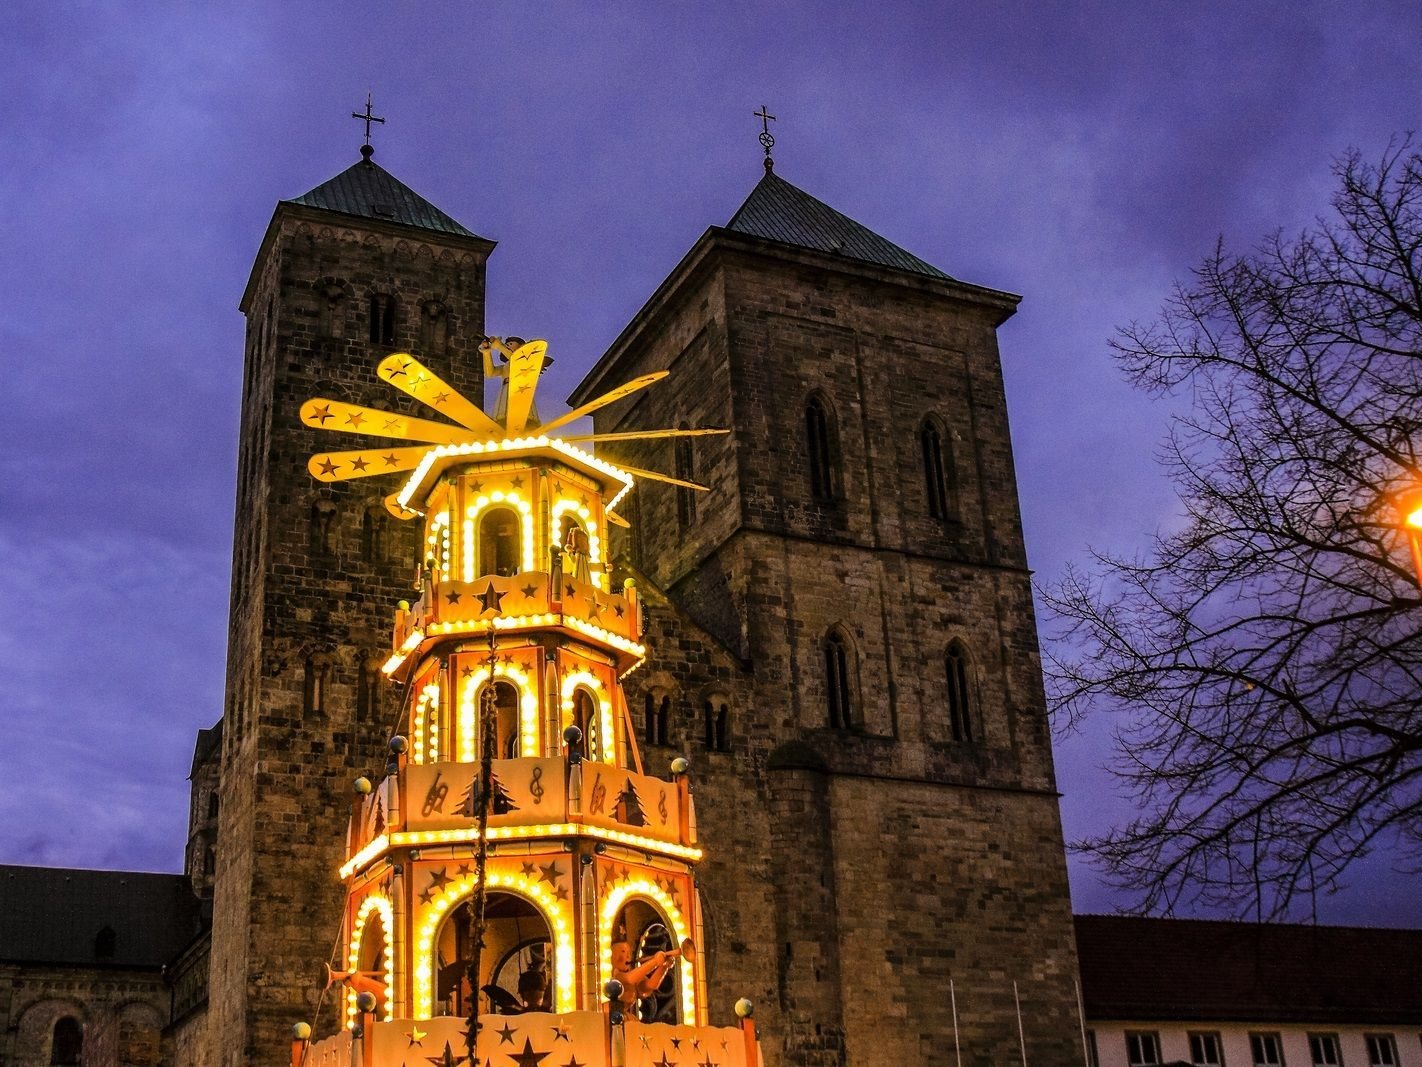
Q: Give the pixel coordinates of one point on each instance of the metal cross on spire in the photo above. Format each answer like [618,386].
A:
[767,141]
[366,150]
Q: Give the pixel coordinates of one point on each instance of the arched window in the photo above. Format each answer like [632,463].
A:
[368,690]
[105,943]
[382,318]
[960,694]
[434,327]
[937,480]
[686,470]
[212,805]
[839,687]
[499,542]
[316,684]
[67,1045]
[820,447]
[332,303]
[586,720]
[323,527]
[374,529]
[658,713]
[506,724]
[718,725]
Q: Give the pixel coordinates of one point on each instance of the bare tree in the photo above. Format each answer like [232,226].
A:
[1265,657]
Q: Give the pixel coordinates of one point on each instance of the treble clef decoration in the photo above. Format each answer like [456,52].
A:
[662,806]
[535,784]
[434,799]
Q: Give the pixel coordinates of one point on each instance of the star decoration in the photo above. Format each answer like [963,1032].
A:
[529,591]
[664,1062]
[463,870]
[355,418]
[359,463]
[595,609]
[561,894]
[466,672]
[570,591]
[416,1036]
[643,1039]
[400,369]
[706,1062]
[528,869]
[505,1035]
[392,423]
[517,482]
[426,897]
[327,467]
[549,873]
[583,500]
[560,1033]
[696,1042]
[476,486]
[447,1058]
[438,879]
[440,398]
[453,598]
[322,412]
[619,609]
[418,380]
[506,660]
[528,1058]
[390,460]
[573,1062]
[490,599]
[676,1043]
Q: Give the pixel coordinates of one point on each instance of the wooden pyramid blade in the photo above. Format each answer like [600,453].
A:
[525,365]
[642,435]
[364,463]
[409,375]
[657,476]
[617,520]
[626,389]
[324,414]
[393,505]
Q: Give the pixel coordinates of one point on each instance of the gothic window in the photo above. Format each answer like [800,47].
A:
[686,470]
[960,693]
[323,523]
[67,1044]
[839,700]
[658,718]
[499,542]
[368,690]
[105,943]
[212,805]
[820,448]
[506,724]
[585,718]
[937,472]
[382,318]
[434,327]
[316,684]
[374,534]
[718,725]
[332,308]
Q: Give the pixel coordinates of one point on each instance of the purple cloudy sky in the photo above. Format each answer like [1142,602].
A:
[1083,155]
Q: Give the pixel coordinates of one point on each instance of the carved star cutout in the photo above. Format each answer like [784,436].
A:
[664,1062]
[466,672]
[522,389]
[696,1042]
[426,897]
[322,412]
[725,1044]
[418,380]
[438,879]
[401,369]
[327,467]
[560,1033]
[505,1035]
[528,869]
[583,500]
[676,1043]
[570,591]
[549,873]
[390,459]
[355,418]
[453,598]
[595,609]
[447,1058]
[561,894]
[643,1039]
[491,599]
[529,591]
[619,609]
[528,1058]
[391,423]
[507,661]
[707,1061]
[359,463]
[573,1061]
[476,486]
[416,1036]
[463,870]
[440,398]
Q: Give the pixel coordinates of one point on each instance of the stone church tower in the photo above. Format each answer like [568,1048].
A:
[357,268]
[845,644]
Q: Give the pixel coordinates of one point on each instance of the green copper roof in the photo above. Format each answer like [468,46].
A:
[371,192]
[777,211]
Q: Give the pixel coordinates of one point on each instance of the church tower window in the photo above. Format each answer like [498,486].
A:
[820,449]
[839,700]
[368,690]
[318,675]
[434,327]
[960,709]
[936,481]
[323,522]
[373,534]
[499,542]
[382,318]
[718,725]
[67,1043]
[105,943]
[332,321]
[658,716]
[686,470]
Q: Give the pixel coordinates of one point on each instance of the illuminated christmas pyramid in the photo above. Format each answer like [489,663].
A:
[519,890]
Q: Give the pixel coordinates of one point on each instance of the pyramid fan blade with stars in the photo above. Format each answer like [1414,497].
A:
[564,933]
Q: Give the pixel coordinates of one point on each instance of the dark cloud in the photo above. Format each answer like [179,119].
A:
[1083,155]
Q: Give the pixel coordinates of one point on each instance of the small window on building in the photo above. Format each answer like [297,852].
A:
[368,690]
[936,482]
[434,327]
[959,693]
[374,527]
[212,805]
[1093,1058]
[658,714]
[686,470]
[323,528]
[67,1043]
[586,719]
[1266,1050]
[499,542]
[1382,1050]
[316,683]
[1323,1050]
[382,318]
[1205,1048]
[105,943]
[332,311]
[839,687]
[820,448]
[1142,1048]
[718,726]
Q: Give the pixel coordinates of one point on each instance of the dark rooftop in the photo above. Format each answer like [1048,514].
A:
[778,211]
[371,192]
[208,743]
[1201,970]
[59,916]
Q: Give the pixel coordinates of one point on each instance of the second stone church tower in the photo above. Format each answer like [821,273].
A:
[842,628]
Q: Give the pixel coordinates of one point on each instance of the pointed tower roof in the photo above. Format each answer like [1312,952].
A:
[369,191]
[778,211]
